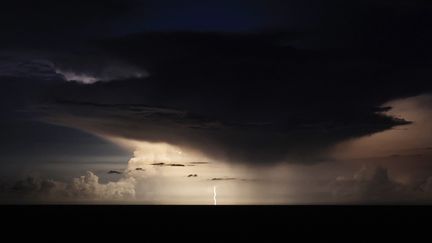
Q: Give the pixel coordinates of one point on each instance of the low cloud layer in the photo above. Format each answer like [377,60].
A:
[83,188]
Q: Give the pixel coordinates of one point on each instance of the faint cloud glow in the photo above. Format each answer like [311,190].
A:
[81,78]
[107,74]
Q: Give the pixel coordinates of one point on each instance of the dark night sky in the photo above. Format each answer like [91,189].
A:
[253,82]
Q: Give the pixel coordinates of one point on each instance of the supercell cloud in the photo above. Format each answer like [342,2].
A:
[246,84]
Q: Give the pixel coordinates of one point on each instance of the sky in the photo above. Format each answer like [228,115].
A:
[216,102]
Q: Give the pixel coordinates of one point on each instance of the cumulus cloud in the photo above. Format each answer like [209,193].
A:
[38,186]
[366,185]
[375,185]
[427,186]
[86,187]
[131,184]
[141,181]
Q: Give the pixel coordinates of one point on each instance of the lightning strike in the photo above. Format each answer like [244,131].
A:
[214,195]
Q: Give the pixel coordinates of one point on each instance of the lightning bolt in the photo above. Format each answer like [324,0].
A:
[214,195]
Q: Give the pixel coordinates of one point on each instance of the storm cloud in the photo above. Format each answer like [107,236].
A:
[239,97]
[241,83]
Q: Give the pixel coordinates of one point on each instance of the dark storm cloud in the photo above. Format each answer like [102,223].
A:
[241,97]
[237,141]
[249,97]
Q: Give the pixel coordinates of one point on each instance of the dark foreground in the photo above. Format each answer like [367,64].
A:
[336,223]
